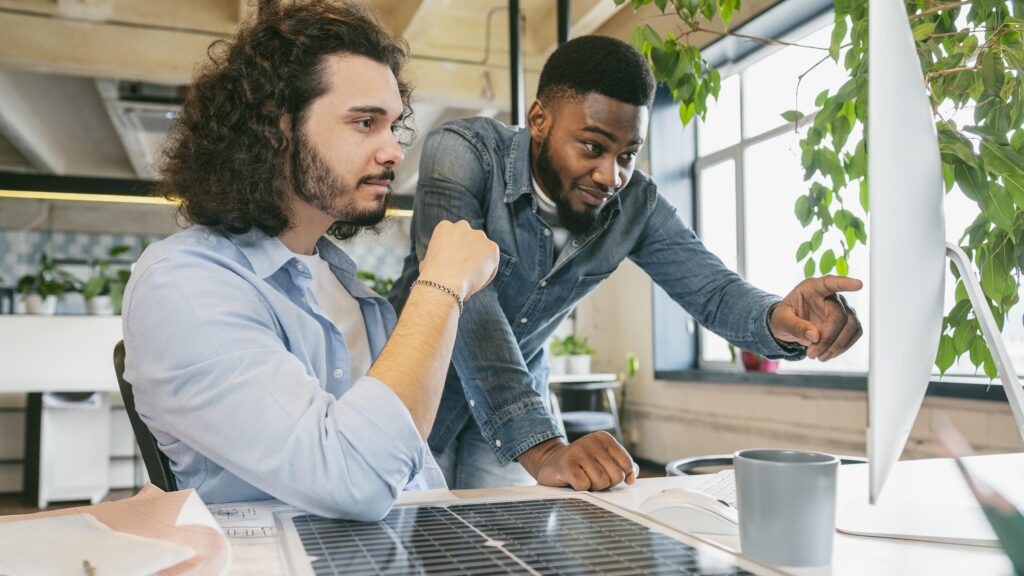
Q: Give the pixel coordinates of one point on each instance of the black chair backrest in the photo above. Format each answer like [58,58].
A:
[157,465]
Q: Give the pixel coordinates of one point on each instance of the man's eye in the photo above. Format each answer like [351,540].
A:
[365,123]
[592,147]
[628,157]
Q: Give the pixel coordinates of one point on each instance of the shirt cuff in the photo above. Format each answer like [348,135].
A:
[520,427]
[381,429]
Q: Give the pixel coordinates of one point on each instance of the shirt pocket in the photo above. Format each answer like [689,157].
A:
[506,264]
[584,285]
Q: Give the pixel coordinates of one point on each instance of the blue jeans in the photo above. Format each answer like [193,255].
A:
[470,462]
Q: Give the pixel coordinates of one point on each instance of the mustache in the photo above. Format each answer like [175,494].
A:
[387,174]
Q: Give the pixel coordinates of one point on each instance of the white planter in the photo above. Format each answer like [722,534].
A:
[36,304]
[558,365]
[100,306]
[579,364]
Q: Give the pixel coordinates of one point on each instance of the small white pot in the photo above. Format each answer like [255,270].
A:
[36,304]
[559,365]
[100,306]
[579,364]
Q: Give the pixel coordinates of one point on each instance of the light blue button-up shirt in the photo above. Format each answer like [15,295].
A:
[245,383]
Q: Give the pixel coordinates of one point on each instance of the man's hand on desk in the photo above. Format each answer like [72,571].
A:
[594,462]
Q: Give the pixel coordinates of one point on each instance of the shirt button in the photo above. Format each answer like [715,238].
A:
[339,373]
[575,243]
[543,283]
[497,443]
[300,267]
[472,403]
[547,232]
[523,321]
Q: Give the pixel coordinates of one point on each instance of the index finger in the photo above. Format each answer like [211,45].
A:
[833,284]
[618,454]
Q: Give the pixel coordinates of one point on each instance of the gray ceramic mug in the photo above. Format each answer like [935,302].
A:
[787,505]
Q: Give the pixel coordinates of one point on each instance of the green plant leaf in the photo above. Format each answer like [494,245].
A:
[1002,159]
[992,71]
[803,251]
[803,210]
[828,261]
[842,268]
[838,35]
[972,181]
[809,268]
[922,31]
[999,208]
[1014,184]
[977,351]
[816,239]
[963,335]
[792,115]
[864,198]
[946,354]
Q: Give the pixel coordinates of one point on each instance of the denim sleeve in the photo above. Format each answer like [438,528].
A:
[455,181]
[718,298]
[210,370]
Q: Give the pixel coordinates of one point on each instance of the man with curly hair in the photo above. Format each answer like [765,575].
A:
[566,207]
[262,366]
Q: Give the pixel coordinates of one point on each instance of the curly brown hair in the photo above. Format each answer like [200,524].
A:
[227,160]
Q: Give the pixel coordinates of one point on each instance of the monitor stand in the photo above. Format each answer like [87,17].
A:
[1004,366]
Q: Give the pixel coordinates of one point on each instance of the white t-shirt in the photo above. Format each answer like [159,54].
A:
[549,211]
[342,309]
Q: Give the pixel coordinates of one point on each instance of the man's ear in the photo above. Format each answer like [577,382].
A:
[538,119]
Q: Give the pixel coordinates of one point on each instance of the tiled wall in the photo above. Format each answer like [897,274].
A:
[380,253]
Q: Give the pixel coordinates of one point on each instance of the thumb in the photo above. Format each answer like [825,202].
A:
[792,327]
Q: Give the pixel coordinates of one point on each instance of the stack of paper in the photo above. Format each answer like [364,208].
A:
[152,532]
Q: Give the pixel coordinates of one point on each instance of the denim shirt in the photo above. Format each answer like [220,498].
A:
[478,169]
[244,383]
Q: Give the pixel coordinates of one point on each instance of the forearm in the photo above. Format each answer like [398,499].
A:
[416,358]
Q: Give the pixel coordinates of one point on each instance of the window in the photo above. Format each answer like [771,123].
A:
[748,176]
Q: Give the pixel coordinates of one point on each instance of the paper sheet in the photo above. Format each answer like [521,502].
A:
[63,544]
[177,517]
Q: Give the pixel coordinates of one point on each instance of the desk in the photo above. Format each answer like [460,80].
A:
[853,555]
[59,354]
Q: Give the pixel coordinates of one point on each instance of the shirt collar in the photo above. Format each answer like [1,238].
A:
[517,172]
[268,255]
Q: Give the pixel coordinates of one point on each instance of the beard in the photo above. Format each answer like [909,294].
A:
[578,223]
[316,184]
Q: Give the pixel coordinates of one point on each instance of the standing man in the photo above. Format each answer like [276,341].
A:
[565,206]
[261,365]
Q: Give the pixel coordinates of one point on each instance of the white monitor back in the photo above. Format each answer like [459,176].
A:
[907,237]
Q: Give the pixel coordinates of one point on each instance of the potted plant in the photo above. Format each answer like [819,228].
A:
[754,362]
[578,352]
[558,362]
[42,289]
[104,289]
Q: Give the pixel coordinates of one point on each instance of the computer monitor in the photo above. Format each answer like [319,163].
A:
[907,239]
[908,247]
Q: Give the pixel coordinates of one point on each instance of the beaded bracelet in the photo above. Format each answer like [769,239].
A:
[442,288]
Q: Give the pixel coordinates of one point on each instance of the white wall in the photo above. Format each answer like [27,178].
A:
[665,420]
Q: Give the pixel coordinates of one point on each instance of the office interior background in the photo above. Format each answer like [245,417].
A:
[89,87]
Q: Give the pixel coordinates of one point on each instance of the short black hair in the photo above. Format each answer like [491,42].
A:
[600,64]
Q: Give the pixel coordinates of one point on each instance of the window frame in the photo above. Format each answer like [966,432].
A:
[677,342]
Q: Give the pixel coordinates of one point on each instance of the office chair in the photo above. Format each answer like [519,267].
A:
[157,465]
